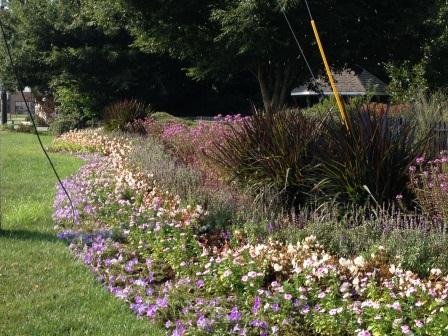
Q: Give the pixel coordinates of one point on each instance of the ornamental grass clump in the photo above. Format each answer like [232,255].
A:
[271,154]
[120,114]
[371,162]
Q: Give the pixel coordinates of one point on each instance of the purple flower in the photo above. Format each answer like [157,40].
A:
[180,329]
[200,283]
[305,310]
[234,314]
[139,308]
[162,302]
[201,322]
[151,311]
[259,324]
[275,307]
[256,305]
[151,277]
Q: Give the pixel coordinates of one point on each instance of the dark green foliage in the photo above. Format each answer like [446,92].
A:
[436,51]
[41,122]
[118,115]
[73,106]
[63,123]
[229,36]
[271,154]
[370,161]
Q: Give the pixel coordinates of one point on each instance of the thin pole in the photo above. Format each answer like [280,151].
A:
[4,107]
[339,101]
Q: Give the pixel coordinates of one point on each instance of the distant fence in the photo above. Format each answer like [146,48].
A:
[440,137]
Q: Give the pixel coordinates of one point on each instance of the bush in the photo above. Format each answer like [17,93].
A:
[118,115]
[372,160]
[25,129]
[271,154]
[7,127]
[429,180]
[74,108]
[40,122]
[64,123]
[407,81]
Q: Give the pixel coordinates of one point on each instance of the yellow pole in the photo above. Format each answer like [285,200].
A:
[339,101]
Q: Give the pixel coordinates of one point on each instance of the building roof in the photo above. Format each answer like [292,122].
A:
[350,82]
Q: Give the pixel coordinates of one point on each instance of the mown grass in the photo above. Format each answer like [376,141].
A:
[43,289]
[164,117]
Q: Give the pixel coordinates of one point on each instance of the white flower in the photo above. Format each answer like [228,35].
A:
[359,261]
[252,274]
[436,272]
[277,267]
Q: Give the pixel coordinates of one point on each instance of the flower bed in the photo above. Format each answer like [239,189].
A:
[145,248]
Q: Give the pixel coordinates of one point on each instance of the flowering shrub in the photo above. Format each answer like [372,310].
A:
[189,143]
[429,180]
[145,249]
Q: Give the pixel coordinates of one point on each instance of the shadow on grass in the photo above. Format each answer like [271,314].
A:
[28,235]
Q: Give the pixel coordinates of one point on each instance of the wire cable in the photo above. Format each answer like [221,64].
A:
[309,10]
[315,83]
[298,44]
[14,69]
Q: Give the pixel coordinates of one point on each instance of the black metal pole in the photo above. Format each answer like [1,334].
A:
[4,107]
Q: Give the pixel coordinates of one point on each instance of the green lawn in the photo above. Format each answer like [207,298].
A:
[43,289]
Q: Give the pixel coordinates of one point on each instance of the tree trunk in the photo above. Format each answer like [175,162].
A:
[276,81]
[265,94]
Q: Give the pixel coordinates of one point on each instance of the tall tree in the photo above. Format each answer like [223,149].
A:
[218,37]
[436,52]
[56,44]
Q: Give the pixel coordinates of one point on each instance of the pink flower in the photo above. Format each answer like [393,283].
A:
[364,333]
[405,329]
[287,296]
[420,160]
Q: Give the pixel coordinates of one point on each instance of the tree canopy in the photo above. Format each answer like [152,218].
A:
[230,36]
[111,49]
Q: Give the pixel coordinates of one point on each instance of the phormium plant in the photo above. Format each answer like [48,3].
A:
[271,153]
[120,114]
[371,160]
